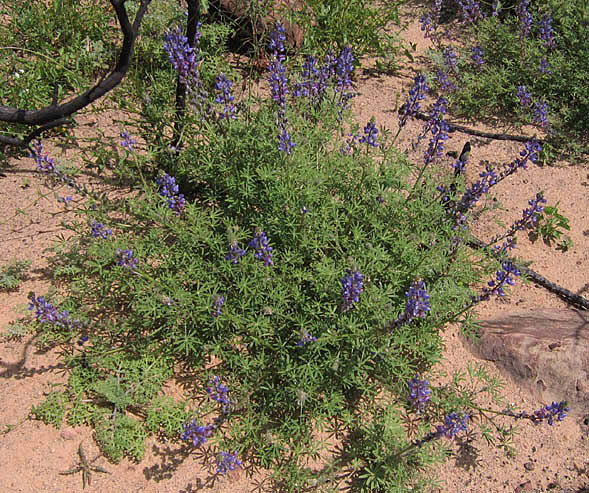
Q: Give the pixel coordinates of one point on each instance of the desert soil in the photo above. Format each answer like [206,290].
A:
[548,458]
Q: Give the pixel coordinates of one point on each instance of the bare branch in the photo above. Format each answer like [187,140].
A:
[54,115]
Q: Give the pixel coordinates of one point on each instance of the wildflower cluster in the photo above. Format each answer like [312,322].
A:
[416,94]
[44,163]
[125,259]
[99,230]
[471,11]
[525,18]
[223,87]
[416,304]
[182,56]
[196,434]
[263,250]
[227,462]
[235,253]
[314,79]
[218,302]
[45,312]
[419,393]
[556,410]
[453,424]
[169,190]
[127,142]
[305,338]
[439,130]
[218,392]
[477,55]
[352,287]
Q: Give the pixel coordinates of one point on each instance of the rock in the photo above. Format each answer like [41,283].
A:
[240,9]
[524,487]
[529,466]
[545,351]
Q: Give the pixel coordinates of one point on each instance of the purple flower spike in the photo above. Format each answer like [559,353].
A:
[417,303]
[525,18]
[263,251]
[416,94]
[370,133]
[169,189]
[99,231]
[419,393]
[44,163]
[235,253]
[453,424]
[477,55]
[223,86]
[126,259]
[196,434]
[218,392]
[305,338]
[546,33]
[127,142]
[218,302]
[352,287]
[471,11]
[525,99]
[227,462]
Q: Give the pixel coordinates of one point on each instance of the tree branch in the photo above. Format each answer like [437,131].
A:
[54,115]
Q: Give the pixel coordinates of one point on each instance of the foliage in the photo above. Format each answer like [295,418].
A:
[550,227]
[12,274]
[551,65]
[295,289]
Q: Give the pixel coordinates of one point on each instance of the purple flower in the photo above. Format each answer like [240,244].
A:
[417,301]
[263,251]
[99,231]
[544,67]
[546,33]
[439,129]
[419,393]
[416,94]
[541,114]
[556,410]
[428,26]
[45,312]
[285,143]
[218,302]
[352,287]
[126,259]
[471,10]
[305,338]
[477,55]
[525,99]
[453,424]
[450,58]
[44,163]
[530,216]
[444,82]
[223,86]
[277,40]
[503,278]
[196,434]
[235,253]
[370,133]
[82,340]
[525,18]
[218,392]
[344,66]
[169,190]
[496,8]
[227,462]
[181,55]
[127,142]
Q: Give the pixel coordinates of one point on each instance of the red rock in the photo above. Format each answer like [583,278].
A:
[546,351]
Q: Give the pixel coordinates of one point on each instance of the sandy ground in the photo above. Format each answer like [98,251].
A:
[548,458]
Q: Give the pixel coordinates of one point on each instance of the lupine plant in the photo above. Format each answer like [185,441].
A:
[302,288]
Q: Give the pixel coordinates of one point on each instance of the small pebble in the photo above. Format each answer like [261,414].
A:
[529,466]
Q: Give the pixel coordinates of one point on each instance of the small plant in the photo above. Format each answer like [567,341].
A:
[12,274]
[86,467]
[551,226]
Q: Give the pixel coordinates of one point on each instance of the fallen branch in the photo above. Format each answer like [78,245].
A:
[565,294]
[56,115]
